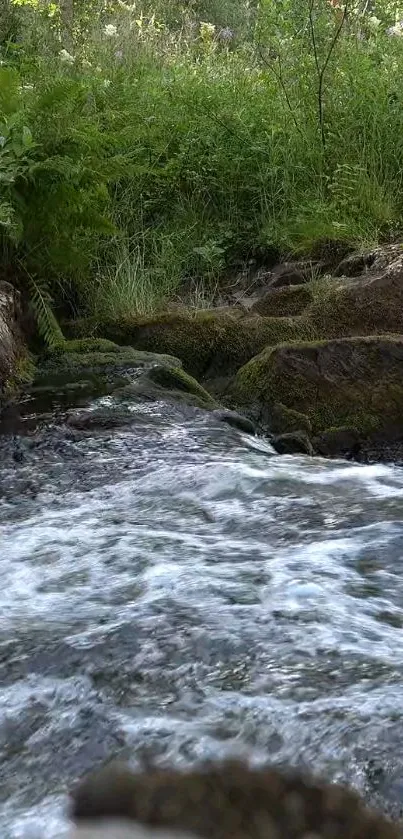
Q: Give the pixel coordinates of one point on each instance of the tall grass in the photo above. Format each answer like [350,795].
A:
[160,152]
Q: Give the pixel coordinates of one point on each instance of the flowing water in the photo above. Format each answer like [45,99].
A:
[173,591]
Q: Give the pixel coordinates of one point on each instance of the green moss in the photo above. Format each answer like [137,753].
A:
[175,379]
[284,420]
[285,302]
[343,309]
[210,343]
[353,382]
[85,345]
[75,363]
[24,373]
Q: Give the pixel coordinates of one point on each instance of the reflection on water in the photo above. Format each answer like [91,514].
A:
[175,591]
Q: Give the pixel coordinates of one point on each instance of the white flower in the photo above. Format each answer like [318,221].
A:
[207,30]
[66,57]
[110,30]
[396,30]
[119,55]
[374,22]
[86,63]
[126,6]
[106,83]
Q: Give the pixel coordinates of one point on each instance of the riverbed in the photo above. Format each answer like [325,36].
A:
[174,591]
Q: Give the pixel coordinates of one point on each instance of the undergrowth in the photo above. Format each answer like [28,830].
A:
[149,149]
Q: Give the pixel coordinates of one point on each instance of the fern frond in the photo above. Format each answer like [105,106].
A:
[41,302]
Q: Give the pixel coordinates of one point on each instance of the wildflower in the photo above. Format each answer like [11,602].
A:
[119,55]
[397,29]
[110,30]
[207,30]
[106,83]
[126,6]
[226,34]
[66,57]
[374,22]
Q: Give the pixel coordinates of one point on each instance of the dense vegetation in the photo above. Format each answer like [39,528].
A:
[152,147]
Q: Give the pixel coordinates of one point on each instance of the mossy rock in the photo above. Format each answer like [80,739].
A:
[105,367]
[178,384]
[209,343]
[83,345]
[92,358]
[353,382]
[284,420]
[369,305]
[284,302]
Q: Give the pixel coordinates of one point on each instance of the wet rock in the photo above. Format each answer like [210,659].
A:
[100,419]
[73,360]
[338,442]
[284,302]
[160,382]
[353,382]
[282,420]
[235,420]
[295,442]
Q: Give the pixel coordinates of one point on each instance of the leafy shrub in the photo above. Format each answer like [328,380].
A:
[141,149]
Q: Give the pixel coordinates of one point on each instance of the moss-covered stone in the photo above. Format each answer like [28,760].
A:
[338,442]
[177,382]
[293,442]
[369,305]
[284,302]
[101,366]
[354,382]
[23,375]
[83,345]
[208,342]
[284,420]
[77,362]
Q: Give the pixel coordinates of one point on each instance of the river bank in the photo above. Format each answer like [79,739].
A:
[311,354]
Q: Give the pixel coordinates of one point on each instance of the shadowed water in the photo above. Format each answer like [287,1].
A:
[175,591]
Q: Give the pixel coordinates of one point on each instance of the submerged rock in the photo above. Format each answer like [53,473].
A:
[235,420]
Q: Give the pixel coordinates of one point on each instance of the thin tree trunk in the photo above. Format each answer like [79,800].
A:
[66,23]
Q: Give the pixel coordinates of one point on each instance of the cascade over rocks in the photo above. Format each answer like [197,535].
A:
[317,358]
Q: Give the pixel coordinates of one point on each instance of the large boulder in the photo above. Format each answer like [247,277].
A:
[355,383]
[15,364]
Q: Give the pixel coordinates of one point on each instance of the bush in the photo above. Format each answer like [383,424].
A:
[142,150]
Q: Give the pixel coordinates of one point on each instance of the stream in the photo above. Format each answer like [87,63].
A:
[174,591]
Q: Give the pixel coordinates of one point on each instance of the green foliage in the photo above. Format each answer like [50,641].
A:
[47,324]
[163,143]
